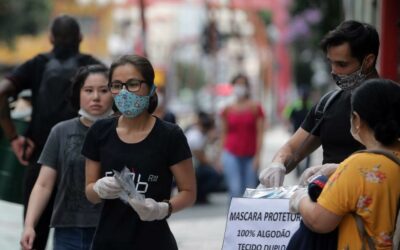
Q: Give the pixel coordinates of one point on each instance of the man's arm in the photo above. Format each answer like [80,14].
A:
[7,89]
[21,146]
[286,159]
[300,145]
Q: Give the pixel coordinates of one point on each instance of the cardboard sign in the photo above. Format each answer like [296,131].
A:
[259,224]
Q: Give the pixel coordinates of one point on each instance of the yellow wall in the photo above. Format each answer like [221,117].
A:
[95,24]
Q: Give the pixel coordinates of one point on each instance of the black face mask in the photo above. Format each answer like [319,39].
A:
[351,81]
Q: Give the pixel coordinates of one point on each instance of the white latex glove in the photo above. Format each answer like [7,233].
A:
[107,188]
[272,175]
[295,199]
[310,173]
[149,209]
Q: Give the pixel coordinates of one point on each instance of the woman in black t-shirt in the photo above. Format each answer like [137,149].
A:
[154,151]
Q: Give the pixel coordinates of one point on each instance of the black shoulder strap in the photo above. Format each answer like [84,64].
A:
[363,234]
[324,103]
[320,109]
[322,106]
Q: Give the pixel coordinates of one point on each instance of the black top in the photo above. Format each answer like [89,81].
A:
[169,117]
[150,160]
[334,131]
[29,76]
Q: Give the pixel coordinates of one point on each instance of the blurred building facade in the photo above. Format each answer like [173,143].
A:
[385,15]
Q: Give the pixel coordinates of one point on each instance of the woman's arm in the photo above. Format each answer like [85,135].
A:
[317,218]
[186,183]
[92,173]
[260,136]
[40,195]
[38,200]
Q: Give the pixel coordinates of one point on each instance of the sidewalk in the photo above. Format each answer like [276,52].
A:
[200,227]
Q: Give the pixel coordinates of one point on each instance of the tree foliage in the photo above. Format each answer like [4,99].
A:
[22,17]
[331,15]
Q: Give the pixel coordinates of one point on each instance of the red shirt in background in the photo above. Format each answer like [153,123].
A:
[241,126]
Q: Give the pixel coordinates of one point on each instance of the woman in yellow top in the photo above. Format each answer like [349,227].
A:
[365,183]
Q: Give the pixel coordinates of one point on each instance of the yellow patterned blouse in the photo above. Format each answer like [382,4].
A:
[369,184]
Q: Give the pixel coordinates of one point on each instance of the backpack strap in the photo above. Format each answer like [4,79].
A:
[363,234]
[360,225]
[323,105]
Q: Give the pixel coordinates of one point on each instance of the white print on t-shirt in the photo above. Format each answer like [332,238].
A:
[141,186]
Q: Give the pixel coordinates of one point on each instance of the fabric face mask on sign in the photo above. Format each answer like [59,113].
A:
[130,104]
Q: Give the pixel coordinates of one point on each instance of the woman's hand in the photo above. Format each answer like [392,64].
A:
[27,238]
[149,209]
[107,188]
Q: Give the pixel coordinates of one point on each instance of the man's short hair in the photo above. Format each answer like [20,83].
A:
[66,32]
[363,39]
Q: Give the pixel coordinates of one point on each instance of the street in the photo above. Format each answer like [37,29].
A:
[200,227]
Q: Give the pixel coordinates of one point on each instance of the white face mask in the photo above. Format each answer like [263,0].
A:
[94,118]
[160,98]
[353,130]
[240,91]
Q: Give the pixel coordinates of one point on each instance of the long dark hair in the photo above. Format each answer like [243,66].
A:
[146,70]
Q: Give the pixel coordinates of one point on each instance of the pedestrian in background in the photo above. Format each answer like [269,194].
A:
[48,76]
[295,113]
[365,188]
[208,177]
[74,217]
[153,150]
[241,138]
[162,110]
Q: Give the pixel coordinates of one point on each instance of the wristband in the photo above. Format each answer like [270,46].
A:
[13,138]
[169,208]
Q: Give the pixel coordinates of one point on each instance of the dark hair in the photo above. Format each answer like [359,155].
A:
[236,78]
[206,120]
[363,39]
[66,32]
[146,70]
[246,82]
[80,78]
[377,101]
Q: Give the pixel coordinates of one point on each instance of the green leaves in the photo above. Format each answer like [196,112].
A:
[22,17]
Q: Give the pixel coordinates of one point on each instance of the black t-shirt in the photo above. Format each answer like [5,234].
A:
[334,131]
[150,160]
[29,76]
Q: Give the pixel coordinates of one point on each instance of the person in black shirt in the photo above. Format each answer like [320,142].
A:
[352,50]
[153,150]
[296,112]
[162,110]
[65,37]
